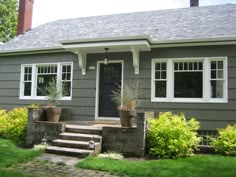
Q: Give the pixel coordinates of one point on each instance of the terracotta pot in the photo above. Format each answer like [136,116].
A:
[127,118]
[53,114]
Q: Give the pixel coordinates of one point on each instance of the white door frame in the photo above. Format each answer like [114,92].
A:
[97,87]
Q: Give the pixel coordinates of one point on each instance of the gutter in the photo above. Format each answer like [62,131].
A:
[32,51]
[194,42]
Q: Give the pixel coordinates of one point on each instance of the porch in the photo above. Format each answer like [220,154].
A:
[83,138]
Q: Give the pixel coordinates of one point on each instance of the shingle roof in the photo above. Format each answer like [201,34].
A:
[162,25]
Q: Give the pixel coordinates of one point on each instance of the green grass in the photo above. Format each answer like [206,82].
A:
[11,155]
[196,166]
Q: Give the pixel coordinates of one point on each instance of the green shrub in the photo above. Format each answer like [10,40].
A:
[13,124]
[172,136]
[225,142]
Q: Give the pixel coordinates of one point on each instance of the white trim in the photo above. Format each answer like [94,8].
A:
[206,81]
[135,53]
[97,86]
[82,61]
[119,38]
[34,80]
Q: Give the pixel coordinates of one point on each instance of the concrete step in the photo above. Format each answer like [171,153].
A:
[80,137]
[83,129]
[68,151]
[73,144]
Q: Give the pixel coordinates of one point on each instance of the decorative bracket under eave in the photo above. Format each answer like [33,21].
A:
[82,60]
[135,53]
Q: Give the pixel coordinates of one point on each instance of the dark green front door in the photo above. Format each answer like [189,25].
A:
[109,79]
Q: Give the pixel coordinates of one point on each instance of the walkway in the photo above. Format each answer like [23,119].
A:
[49,165]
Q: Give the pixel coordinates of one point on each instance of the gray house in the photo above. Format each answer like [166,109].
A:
[184,61]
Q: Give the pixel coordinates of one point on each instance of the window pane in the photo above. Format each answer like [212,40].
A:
[25,77]
[163,75]
[158,66]
[27,89]
[66,88]
[200,66]
[190,66]
[26,70]
[163,66]
[213,65]
[195,65]
[180,66]
[185,66]
[220,74]
[43,82]
[64,69]
[217,89]
[176,66]
[220,64]
[213,74]
[188,85]
[69,69]
[64,76]
[158,75]
[160,89]
[68,76]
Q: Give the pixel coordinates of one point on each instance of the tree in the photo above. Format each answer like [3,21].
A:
[8,19]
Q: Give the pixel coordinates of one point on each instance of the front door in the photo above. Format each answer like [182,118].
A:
[109,79]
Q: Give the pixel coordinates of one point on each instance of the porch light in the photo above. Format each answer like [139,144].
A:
[106,57]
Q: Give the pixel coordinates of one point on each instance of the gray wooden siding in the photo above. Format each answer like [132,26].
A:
[211,115]
[82,105]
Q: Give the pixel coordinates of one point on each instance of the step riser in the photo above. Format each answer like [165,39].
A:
[84,131]
[77,146]
[72,154]
[77,138]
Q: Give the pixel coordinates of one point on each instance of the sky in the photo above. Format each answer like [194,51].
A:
[51,10]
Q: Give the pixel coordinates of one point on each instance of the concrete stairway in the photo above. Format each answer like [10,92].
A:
[75,141]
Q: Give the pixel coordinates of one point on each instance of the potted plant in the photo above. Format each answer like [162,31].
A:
[126,98]
[54,94]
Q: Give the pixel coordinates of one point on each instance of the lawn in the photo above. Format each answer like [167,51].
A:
[11,155]
[196,166]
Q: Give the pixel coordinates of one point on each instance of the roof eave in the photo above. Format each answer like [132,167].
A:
[32,51]
[194,42]
[153,43]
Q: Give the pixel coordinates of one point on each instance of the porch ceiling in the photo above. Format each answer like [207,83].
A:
[81,49]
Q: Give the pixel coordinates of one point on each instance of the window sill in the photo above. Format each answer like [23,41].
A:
[154,100]
[44,99]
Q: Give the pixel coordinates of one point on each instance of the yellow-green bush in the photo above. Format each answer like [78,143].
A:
[225,142]
[13,124]
[172,136]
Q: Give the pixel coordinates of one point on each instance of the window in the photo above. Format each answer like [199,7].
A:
[217,79]
[160,79]
[36,77]
[191,85]
[189,80]
[45,74]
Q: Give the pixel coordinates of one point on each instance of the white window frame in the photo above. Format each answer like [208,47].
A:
[206,81]
[34,80]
